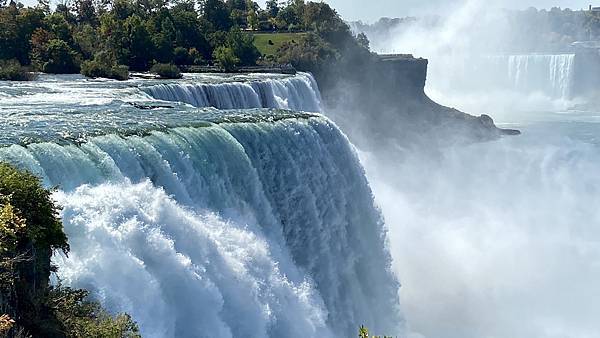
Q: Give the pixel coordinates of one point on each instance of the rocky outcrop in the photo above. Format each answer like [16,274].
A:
[382,101]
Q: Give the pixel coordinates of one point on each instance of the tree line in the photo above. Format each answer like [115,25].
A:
[110,37]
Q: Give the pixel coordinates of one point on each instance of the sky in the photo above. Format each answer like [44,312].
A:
[372,10]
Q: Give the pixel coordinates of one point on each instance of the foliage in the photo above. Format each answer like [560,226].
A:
[243,47]
[36,205]
[12,227]
[226,58]
[95,69]
[84,318]
[269,43]
[166,71]
[363,332]
[310,52]
[13,71]
[139,34]
[29,232]
[59,58]
[181,56]
[6,323]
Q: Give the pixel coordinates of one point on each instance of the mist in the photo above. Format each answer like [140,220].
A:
[486,58]
[494,239]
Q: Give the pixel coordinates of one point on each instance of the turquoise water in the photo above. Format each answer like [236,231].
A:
[254,221]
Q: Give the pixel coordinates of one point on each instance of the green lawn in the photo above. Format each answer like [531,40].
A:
[261,41]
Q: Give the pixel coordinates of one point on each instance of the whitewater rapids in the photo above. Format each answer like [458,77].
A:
[258,229]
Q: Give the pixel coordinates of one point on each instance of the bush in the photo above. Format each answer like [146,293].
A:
[12,70]
[166,71]
[97,68]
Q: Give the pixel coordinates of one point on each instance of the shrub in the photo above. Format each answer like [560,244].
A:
[104,68]
[12,70]
[166,71]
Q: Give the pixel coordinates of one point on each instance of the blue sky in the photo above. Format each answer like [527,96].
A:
[371,10]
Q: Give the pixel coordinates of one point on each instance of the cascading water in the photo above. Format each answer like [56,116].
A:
[299,93]
[261,228]
[550,74]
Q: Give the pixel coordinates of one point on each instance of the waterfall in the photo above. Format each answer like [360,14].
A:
[258,229]
[551,74]
[299,93]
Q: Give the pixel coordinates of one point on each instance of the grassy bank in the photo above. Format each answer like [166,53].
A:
[268,43]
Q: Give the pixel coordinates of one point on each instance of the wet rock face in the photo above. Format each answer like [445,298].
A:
[382,101]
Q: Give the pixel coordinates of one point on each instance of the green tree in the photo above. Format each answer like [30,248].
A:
[272,8]
[310,53]
[86,40]
[363,41]
[139,43]
[181,56]
[84,318]
[217,14]
[60,58]
[58,26]
[85,11]
[114,37]
[252,18]
[30,231]
[226,58]
[243,47]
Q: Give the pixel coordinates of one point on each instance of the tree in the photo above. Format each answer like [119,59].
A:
[243,47]
[139,43]
[226,59]
[252,18]
[60,58]
[59,27]
[363,41]
[272,8]
[217,14]
[86,40]
[310,53]
[86,12]
[181,56]
[164,41]
[30,231]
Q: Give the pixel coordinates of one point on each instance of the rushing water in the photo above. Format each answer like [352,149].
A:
[200,222]
[299,93]
[261,223]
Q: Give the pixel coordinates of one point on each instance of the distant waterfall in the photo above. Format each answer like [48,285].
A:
[299,93]
[551,74]
[232,230]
